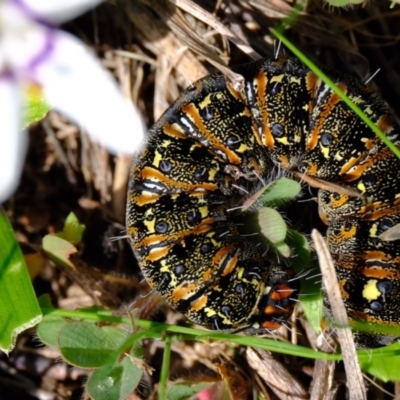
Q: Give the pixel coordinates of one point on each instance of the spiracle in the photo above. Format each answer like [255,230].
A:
[215,137]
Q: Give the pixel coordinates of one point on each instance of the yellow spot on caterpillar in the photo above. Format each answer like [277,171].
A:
[158,157]
[209,312]
[293,79]
[282,140]
[368,110]
[370,291]
[150,224]
[205,102]
[325,151]
[203,211]
[277,78]
[361,187]
[338,156]
[373,230]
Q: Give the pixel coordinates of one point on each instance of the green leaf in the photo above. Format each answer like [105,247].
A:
[61,246]
[310,278]
[274,194]
[182,391]
[272,225]
[312,305]
[114,382]
[137,352]
[59,250]
[383,367]
[86,345]
[300,259]
[307,268]
[35,106]
[280,192]
[45,301]
[19,306]
[117,335]
[73,230]
[274,228]
[49,329]
[283,249]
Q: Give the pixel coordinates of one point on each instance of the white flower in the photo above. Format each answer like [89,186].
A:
[32,50]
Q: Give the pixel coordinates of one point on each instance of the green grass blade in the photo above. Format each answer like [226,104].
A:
[165,368]
[19,307]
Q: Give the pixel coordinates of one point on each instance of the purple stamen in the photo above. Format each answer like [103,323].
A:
[31,14]
[44,53]
[7,74]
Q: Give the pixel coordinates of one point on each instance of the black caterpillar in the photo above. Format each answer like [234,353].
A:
[215,138]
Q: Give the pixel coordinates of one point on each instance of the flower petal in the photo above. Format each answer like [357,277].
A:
[75,83]
[54,11]
[13,142]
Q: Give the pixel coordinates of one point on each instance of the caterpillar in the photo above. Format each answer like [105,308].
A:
[216,138]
